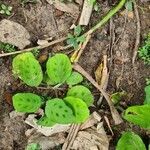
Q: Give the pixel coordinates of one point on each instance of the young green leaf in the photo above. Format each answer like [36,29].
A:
[75,78]
[130,141]
[83,93]
[116,97]
[59,68]
[28,69]
[79,108]
[33,146]
[147,97]
[139,115]
[45,121]
[77,30]
[59,112]
[3,6]
[26,102]
[129,5]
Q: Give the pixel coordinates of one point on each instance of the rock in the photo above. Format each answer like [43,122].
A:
[14,33]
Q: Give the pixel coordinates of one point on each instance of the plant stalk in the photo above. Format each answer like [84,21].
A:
[105,19]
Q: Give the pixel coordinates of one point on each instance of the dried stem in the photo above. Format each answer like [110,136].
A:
[138,32]
[115,115]
[36,47]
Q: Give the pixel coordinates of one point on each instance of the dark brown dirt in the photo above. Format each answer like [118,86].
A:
[43,21]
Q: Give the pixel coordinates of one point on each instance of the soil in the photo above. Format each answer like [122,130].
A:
[43,21]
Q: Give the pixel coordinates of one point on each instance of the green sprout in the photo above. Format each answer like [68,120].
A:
[5,9]
[7,48]
[144,51]
[75,39]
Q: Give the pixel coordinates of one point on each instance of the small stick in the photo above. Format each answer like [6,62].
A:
[36,47]
[115,115]
[86,13]
[138,32]
[71,136]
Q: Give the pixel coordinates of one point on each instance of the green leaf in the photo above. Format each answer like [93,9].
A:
[83,93]
[59,112]
[4,7]
[81,39]
[8,12]
[116,97]
[45,121]
[79,108]
[33,146]
[47,80]
[129,5]
[130,141]
[77,30]
[139,115]
[28,69]
[75,78]
[147,97]
[59,68]
[92,2]
[70,36]
[26,102]
[9,8]
[2,12]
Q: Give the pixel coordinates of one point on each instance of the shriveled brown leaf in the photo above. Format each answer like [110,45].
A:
[91,138]
[101,72]
[92,120]
[129,14]
[47,131]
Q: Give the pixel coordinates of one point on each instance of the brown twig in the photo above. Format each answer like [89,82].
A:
[138,32]
[36,47]
[71,136]
[115,115]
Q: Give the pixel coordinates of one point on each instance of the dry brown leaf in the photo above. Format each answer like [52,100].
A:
[90,138]
[92,120]
[47,143]
[130,14]
[47,131]
[98,73]
[101,72]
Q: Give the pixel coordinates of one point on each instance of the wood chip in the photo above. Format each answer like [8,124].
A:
[86,13]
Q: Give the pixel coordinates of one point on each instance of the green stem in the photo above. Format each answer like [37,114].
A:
[107,16]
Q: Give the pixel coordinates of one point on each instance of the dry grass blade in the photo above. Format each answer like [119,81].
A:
[71,136]
[115,115]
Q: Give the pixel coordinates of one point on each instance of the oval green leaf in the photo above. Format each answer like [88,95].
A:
[130,141]
[139,115]
[28,69]
[74,79]
[147,97]
[59,68]
[59,112]
[79,108]
[26,102]
[83,93]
